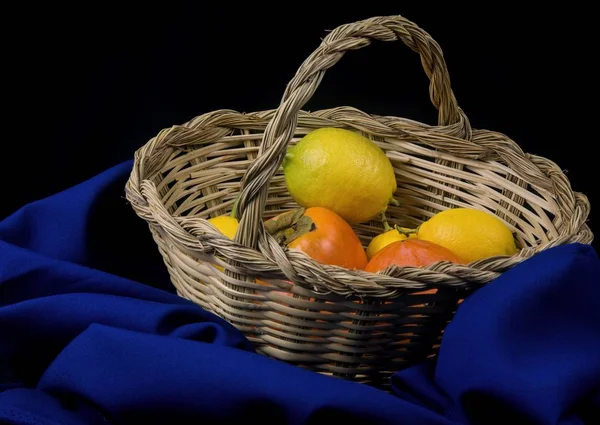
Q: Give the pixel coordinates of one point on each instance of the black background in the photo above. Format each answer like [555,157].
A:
[88,85]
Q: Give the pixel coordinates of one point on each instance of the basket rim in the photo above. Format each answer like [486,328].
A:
[196,236]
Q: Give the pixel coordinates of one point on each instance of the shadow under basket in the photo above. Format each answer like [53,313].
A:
[347,323]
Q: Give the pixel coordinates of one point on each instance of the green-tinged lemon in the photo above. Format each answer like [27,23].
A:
[342,171]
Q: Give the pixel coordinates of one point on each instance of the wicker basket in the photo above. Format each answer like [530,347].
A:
[351,324]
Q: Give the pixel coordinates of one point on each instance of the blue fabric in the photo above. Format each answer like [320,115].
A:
[91,332]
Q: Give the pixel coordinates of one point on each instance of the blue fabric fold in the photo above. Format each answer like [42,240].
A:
[91,332]
[526,348]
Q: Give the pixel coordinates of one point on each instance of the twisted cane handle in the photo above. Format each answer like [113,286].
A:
[281,128]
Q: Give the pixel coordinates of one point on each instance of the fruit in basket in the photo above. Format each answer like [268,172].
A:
[342,171]
[321,234]
[228,225]
[469,233]
[411,252]
[389,235]
[225,224]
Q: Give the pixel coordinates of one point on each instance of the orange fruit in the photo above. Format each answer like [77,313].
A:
[411,252]
[321,234]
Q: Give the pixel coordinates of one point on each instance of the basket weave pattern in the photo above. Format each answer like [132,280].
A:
[348,323]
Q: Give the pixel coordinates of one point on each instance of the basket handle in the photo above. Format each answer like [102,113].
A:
[300,89]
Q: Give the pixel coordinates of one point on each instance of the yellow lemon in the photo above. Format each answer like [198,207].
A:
[225,224]
[342,171]
[228,225]
[382,240]
[470,234]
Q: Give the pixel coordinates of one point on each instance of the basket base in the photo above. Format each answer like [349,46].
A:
[376,340]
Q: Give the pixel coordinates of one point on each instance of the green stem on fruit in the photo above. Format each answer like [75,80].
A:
[384,221]
[394,201]
[406,231]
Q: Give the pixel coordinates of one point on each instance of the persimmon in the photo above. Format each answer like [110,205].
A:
[411,252]
[321,234]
